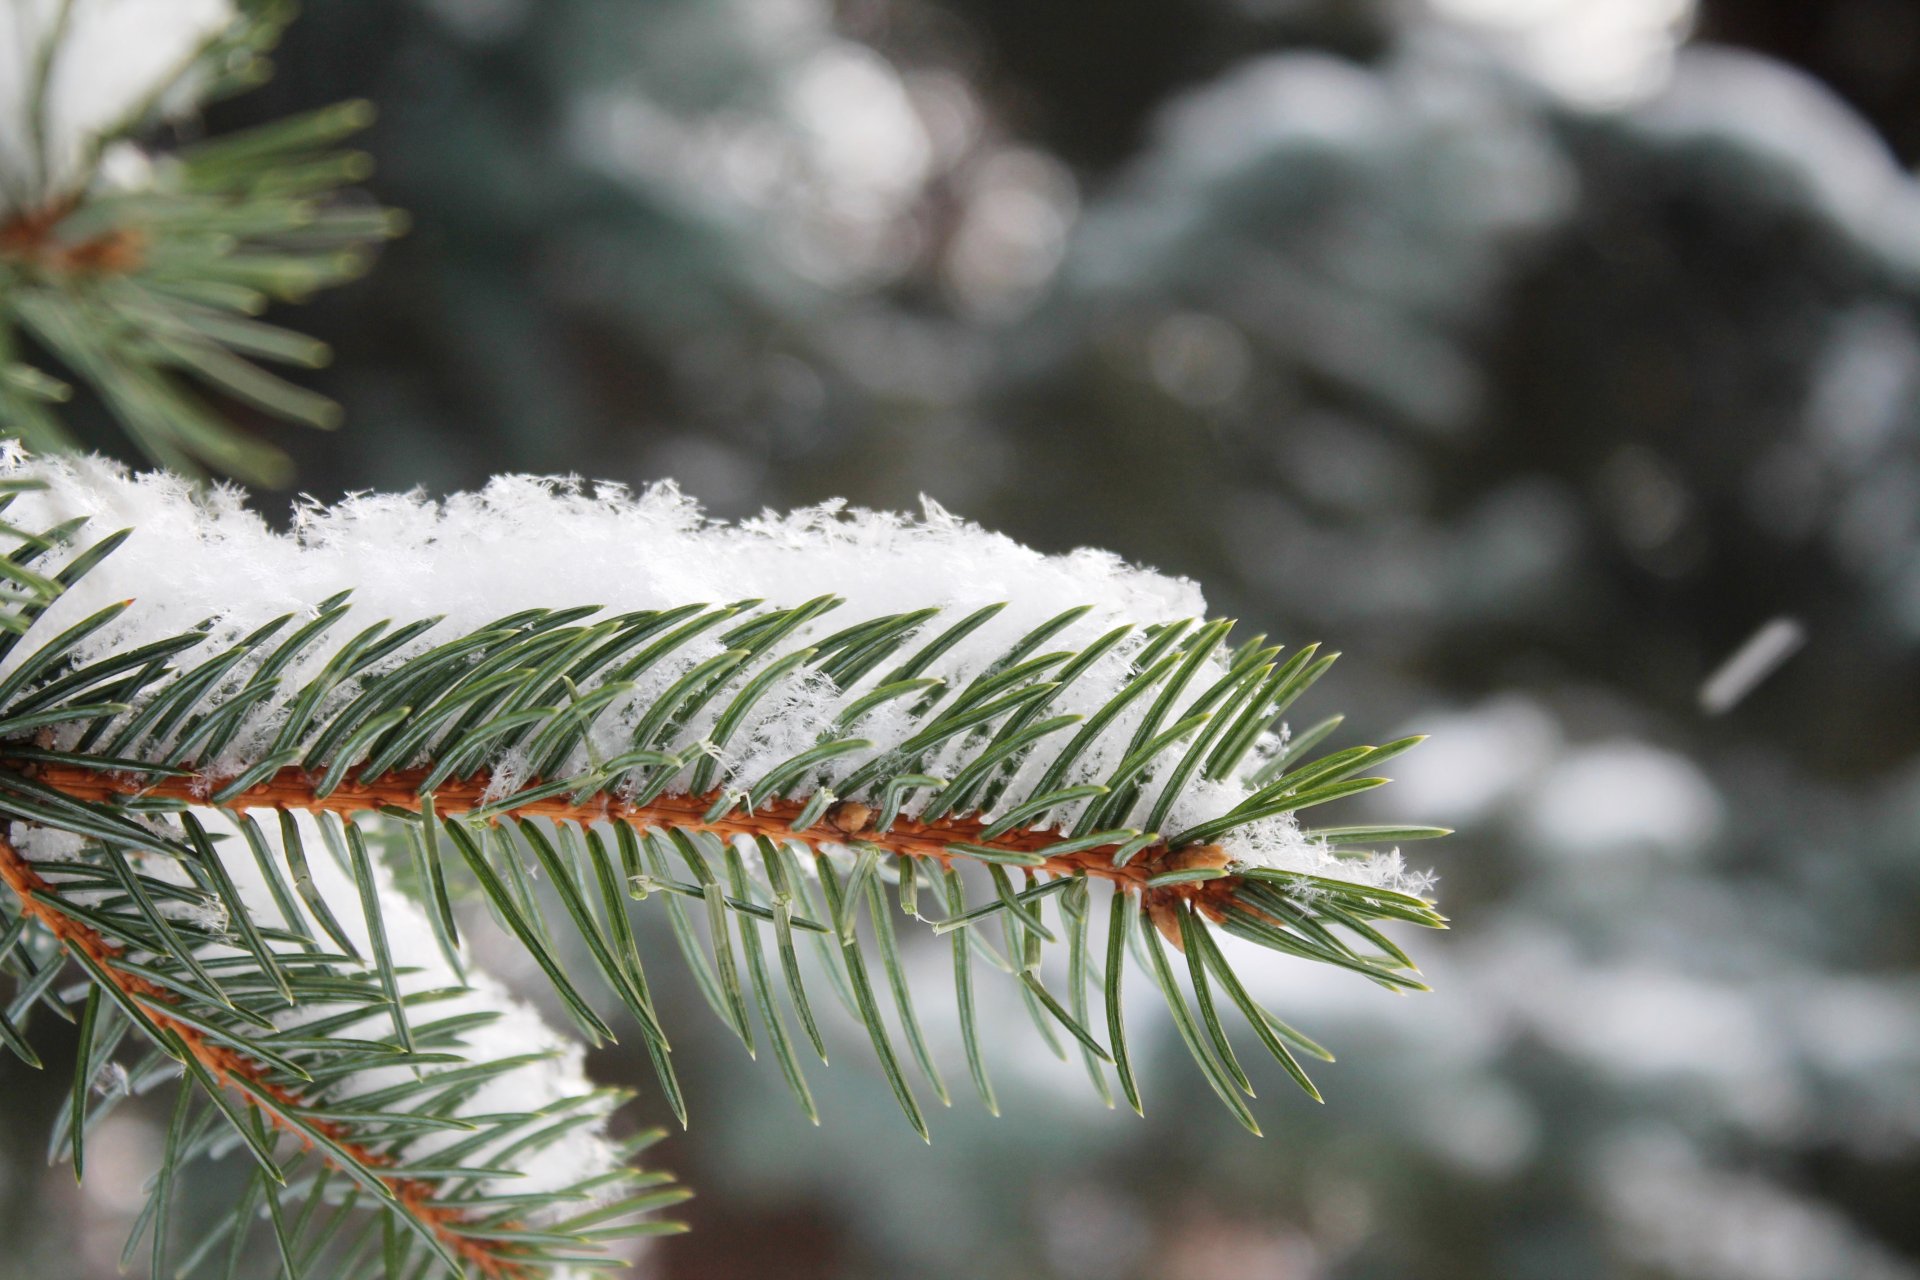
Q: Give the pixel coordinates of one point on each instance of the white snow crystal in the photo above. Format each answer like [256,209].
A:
[111,1081]
[209,914]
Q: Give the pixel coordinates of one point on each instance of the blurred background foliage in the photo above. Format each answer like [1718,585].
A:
[1533,353]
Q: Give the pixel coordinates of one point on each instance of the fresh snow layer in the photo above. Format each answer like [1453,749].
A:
[197,556]
[91,67]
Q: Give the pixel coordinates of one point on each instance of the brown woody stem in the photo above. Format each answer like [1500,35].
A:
[295,789]
[34,238]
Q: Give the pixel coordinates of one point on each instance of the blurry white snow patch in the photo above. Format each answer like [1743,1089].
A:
[123,166]
[1868,373]
[868,143]
[1475,760]
[1786,115]
[1684,1218]
[81,70]
[125,1149]
[824,164]
[1598,52]
[1623,795]
[1436,95]
[1645,1022]
[481,21]
[1481,1125]
[1400,188]
[1017,206]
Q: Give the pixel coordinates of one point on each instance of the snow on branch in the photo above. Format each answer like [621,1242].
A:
[202,559]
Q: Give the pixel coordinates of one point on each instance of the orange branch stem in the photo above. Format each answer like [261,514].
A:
[295,789]
[34,238]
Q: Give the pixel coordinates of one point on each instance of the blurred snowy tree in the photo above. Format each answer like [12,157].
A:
[1542,407]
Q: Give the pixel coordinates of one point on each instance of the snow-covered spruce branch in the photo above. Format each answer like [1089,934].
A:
[530,696]
[138,272]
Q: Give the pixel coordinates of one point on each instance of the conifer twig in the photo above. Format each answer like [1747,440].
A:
[152,1003]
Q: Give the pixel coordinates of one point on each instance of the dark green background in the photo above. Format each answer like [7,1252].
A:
[1535,458]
